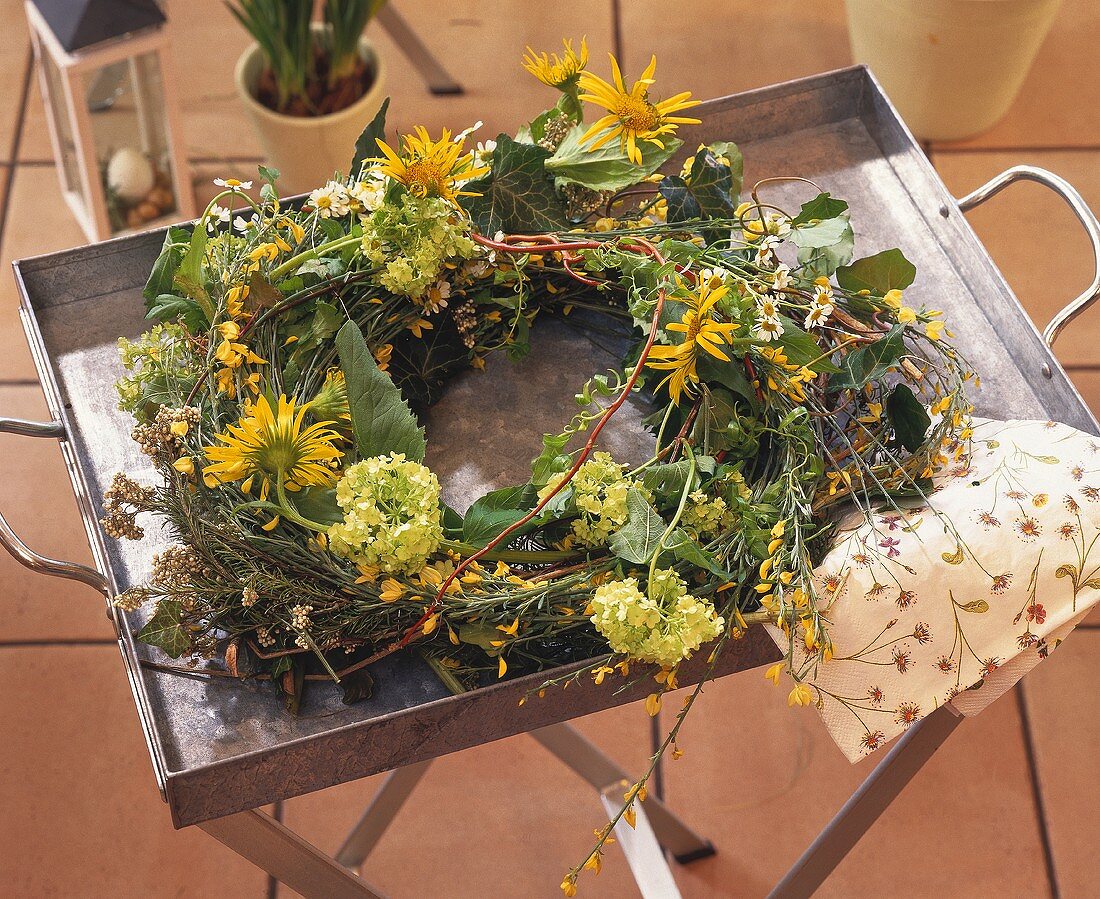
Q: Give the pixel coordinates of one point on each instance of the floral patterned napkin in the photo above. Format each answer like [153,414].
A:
[956,599]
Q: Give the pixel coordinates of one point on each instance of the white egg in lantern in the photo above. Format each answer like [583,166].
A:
[130,174]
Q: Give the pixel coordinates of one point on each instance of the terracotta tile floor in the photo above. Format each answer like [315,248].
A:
[1007,808]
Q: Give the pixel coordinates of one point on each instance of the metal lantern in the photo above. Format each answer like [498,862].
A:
[103,66]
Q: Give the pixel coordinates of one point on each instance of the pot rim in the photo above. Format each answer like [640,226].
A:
[366,49]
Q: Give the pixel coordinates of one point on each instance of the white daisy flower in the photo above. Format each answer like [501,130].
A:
[241,224]
[233,183]
[819,314]
[367,194]
[769,329]
[218,215]
[767,307]
[436,296]
[781,277]
[462,135]
[330,201]
[485,149]
[823,295]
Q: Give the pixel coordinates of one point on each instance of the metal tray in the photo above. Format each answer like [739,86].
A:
[220,746]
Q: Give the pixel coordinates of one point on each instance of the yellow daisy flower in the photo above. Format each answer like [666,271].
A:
[557,71]
[703,333]
[631,115]
[430,168]
[273,446]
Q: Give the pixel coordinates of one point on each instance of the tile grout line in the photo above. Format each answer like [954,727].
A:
[1037,791]
[1025,148]
[74,641]
[9,178]
[617,30]
[272,883]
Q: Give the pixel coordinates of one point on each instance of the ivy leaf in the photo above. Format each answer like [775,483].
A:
[871,362]
[820,208]
[162,277]
[888,270]
[826,246]
[495,511]
[802,349]
[515,194]
[908,417]
[607,168]
[165,630]
[552,460]
[668,479]
[637,540]
[707,191]
[366,146]
[382,421]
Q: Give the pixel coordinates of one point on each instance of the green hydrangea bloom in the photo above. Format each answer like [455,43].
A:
[705,517]
[599,495]
[412,238]
[392,517]
[160,364]
[664,626]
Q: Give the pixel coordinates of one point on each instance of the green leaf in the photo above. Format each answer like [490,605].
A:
[607,168]
[165,630]
[888,270]
[870,363]
[820,208]
[908,417]
[188,276]
[495,511]
[357,686]
[366,146]
[169,307]
[637,540]
[480,633]
[318,504]
[730,374]
[162,277]
[825,233]
[382,421]
[826,258]
[515,195]
[552,460]
[667,480]
[326,321]
[802,349]
[706,192]
[687,550]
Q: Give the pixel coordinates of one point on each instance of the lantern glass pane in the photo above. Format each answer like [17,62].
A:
[58,111]
[126,107]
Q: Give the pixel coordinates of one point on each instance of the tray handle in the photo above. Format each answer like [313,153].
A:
[1080,208]
[10,540]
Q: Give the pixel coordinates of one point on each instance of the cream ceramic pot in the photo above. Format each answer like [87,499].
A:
[308,150]
[951,67]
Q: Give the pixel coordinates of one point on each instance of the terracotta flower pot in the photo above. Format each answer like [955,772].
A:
[951,67]
[307,151]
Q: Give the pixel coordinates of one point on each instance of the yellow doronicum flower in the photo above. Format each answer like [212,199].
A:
[703,333]
[631,115]
[430,168]
[271,444]
[558,71]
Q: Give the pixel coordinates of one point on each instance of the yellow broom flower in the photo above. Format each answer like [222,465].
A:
[557,71]
[430,168]
[273,446]
[631,115]
[702,334]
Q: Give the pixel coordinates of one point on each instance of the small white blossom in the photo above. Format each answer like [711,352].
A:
[241,224]
[218,215]
[781,277]
[367,194]
[819,314]
[233,183]
[330,201]
[769,329]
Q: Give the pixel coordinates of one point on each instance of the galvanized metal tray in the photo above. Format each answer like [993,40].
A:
[220,746]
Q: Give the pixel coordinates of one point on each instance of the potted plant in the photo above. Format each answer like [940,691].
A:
[952,67]
[309,87]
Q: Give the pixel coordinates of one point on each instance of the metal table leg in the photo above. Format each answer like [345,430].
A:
[872,798]
[431,69]
[286,856]
[380,813]
[639,844]
[590,763]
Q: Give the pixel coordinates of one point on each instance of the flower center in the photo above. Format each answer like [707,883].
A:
[637,113]
[425,175]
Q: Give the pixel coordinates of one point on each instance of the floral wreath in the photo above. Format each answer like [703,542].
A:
[276,395]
